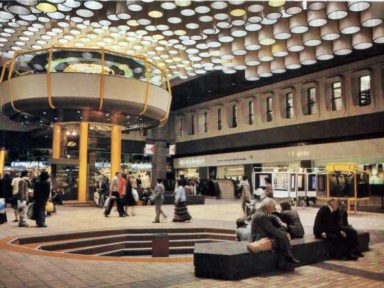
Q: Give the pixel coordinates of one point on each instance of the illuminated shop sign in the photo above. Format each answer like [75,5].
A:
[191,162]
[29,164]
[131,166]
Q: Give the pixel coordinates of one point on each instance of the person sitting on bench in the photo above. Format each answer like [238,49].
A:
[243,231]
[292,219]
[342,218]
[262,226]
[326,227]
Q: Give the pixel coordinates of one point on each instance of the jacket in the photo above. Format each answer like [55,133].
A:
[41,192]
[158,195]
[294,226]
[262,226]
[325,221]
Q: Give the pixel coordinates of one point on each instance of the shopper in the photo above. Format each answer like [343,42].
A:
[128,199]
[158,198]
[245,189]
[262,227]
[327,227]
[181,212]
[41,193]
[268,188]
[243,231]
[22,197]
[292,219]
[15,192]
[3,197]
[102,188]
[115,196]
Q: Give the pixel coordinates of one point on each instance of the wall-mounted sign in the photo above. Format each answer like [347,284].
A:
[28,164]
[149,149]
[172,149]
[130,166]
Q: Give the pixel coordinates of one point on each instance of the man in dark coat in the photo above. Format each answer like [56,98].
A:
[40,196]
[292,219]
[326,227]
[262,226]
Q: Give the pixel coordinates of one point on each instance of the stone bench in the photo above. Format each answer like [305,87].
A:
[232,260]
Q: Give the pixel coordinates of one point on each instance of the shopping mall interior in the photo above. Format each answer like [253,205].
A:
[153,140]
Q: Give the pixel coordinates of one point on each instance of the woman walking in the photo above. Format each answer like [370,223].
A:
[129,199]
[181,211]
[40,197]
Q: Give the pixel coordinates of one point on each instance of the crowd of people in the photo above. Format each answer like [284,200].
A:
[27,192]
[279,223]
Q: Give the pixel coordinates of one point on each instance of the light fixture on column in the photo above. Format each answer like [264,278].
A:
[324,51]
[252,27]
[266,36]
[46,7]
[265,54]
[337,10]
[276,3]
[298,23]
[226,51]
[264,70]
[312,37]
[362,39]
[330,31]
[278,66]
[238,32]
[279,49]
[254,12]
[224,37]
[315,5]
[350,24]
[212,42]
[272,13]
[238,63]
[281,29]
[308,56]
[378,34]
[252,58]
[358,5]
[293,7]
[373,16]
[251,42]
[343,45]
[316,18]
[292,61]
[295,43]
[219,5]
[238,47]
[251,74]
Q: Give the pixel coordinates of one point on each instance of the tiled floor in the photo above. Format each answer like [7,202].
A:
[27,270]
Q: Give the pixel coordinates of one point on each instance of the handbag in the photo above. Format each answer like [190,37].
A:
[2,205]
[135,194]
[264,244]
[106,203]
[49,207]
[30,214]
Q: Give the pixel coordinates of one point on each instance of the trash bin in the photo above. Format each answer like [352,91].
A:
[160,245]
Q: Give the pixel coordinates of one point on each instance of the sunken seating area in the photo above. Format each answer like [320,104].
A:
[126,242]
[232,261]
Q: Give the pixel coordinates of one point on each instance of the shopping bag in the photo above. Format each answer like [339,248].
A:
[50,208]
[21,204]
[106,203]
[264,244]
[2,205]
[30,211]
[135,194]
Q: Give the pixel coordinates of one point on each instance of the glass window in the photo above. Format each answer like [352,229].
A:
[365,90]
[269,109]
[337,100]
[180,127]
[311,101]
[234,116]
[205,121]
[219,126]
[251,117]
[192,124]
[289,105]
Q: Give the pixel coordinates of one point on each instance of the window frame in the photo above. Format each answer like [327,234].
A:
[205,122]
[334,99]
[311,104]
[219,120]
[269,109]
[251,113]
[360,98]
[289,108]
[234,116]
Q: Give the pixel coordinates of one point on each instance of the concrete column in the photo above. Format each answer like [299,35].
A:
[115,150]
[159,137]
[2,160]
[83,162]
[56,142]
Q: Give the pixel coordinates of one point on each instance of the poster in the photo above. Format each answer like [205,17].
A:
[300,182]
[280,181]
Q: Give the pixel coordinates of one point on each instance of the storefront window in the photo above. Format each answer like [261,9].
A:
[337,100]
[269,109]
[250,113]
[289,105]
[311,101]
[234,116]
[365,90]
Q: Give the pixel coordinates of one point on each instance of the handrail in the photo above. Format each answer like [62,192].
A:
[148,63]
[49,84]
[102,80]
[148,73]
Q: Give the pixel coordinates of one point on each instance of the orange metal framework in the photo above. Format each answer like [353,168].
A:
[164,76]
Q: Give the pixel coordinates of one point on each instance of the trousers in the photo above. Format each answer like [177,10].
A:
[159,211]
[116,197]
